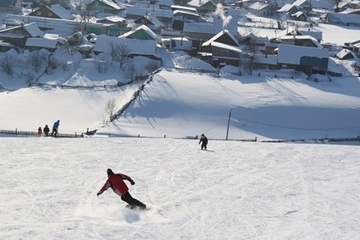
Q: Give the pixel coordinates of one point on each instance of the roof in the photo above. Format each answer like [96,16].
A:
[343,17]
[297,52]
[31,28]
[60,11]
[316,43]
[226,46]
[109,3]
[286,8]
[300,2]
[153,19]
[345,52]
[41,42]
[214,38]
[198,3]
[143,27]
[136,46]
[258,6]
[144,11]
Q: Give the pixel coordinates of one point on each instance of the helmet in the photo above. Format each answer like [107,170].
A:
[110,172]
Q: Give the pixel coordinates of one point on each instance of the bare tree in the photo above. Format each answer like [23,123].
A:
[152,66]
[7,64]
[30,79]
[119,53]
[37,59]
[130,71]
[110,108]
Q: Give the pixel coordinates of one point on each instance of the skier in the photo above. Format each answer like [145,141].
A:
[55,128]
[116,182]
[46,130]
[204,141]
[39,131]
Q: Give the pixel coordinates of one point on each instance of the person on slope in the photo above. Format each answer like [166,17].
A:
[116,182]
[55,128]
[204,141]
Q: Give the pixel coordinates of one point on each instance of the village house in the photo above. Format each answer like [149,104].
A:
[18,35]
[202,6]
[262,9]
[343,18]
[303,53]
[151,22]
[52,11]
[139,10]
[200,32]
[346,54]
[221,49]
[303,5]
[34,44]
[142,32]
[136,47]
[104,6]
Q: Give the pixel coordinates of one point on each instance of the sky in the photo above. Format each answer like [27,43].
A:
[234,190]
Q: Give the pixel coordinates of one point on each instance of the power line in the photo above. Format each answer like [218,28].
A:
[286,127]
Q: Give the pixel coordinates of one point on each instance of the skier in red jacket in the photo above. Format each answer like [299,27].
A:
[116,182]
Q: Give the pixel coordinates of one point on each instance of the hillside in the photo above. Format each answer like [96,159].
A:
[179,103]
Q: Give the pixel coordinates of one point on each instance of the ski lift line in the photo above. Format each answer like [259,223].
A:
[214,126]
[278,126]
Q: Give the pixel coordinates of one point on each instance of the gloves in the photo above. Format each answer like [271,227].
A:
[98,194]
[132,182]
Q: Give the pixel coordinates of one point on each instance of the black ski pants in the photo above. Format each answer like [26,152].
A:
[126,197]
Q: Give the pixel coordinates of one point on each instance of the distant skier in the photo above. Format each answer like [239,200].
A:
[39,131]
[116,182]
[55,128]
[203,141]
[46,130]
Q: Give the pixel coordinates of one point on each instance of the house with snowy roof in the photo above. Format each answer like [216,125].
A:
[262,9]
[18,35]
[303,53]
[200,32]
[142,32]
[298,16]
[293,31]
[346,54]
[222,48]
[202,6]
[353,46]
[151,22]
[136,47]
[104,6]
[303,5]
[34,44]
[289,9]
[114,20]
[52,11]
[345,19]
[343,5]
[135,12]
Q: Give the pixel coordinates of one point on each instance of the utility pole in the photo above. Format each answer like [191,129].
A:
[228,125]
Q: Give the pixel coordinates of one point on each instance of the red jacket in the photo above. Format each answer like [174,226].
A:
[116,182]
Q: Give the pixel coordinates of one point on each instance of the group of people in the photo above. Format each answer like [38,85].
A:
[116,182]
[46,129]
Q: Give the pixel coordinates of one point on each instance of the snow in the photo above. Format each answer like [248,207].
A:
[235,190]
